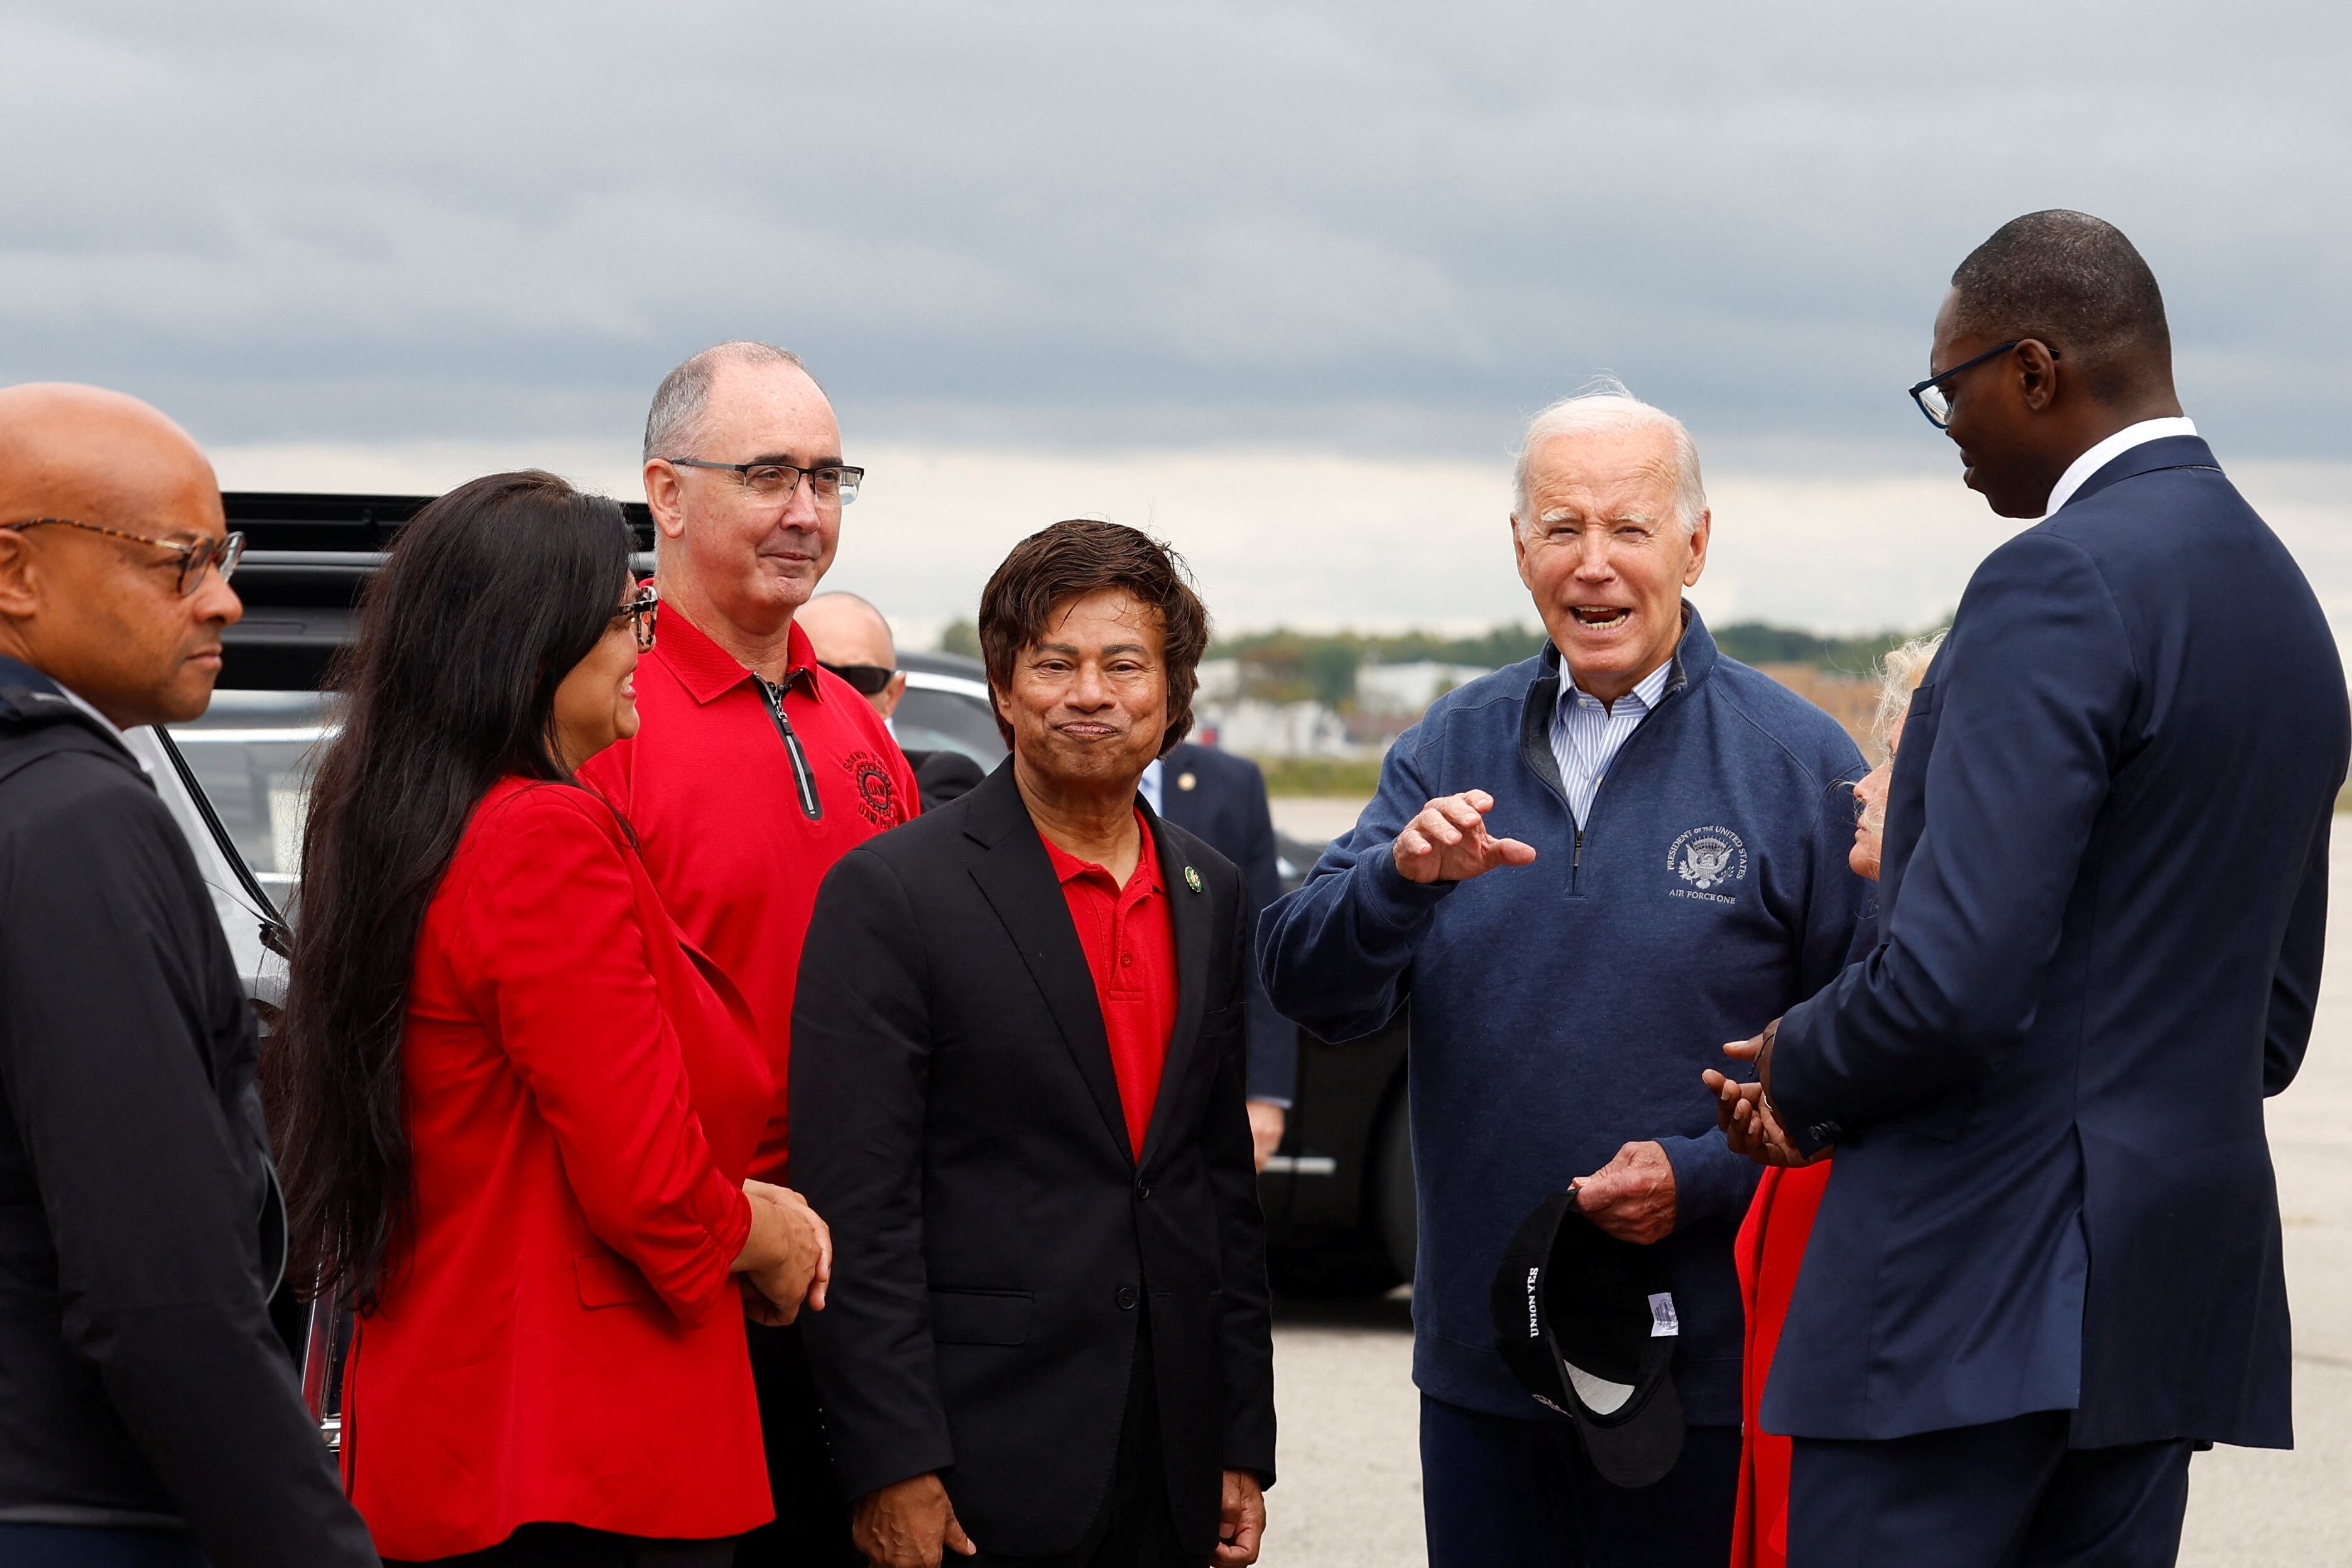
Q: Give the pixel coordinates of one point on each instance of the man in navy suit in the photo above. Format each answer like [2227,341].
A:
[2047,1264]
[1222,798]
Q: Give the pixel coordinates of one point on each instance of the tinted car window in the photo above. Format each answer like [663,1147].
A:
[929,721]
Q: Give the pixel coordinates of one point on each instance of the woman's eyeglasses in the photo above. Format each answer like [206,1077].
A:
[641,612]
[194,558]
[865,680]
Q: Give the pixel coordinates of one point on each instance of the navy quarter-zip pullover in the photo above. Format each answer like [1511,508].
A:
[1563,1009]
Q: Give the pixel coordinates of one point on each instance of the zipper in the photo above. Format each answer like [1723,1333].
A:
[803,779]
[1576,855]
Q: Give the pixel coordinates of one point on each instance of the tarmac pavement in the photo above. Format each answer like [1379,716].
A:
[1350,1491]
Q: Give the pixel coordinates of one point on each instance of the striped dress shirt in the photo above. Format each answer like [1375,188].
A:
[1586,736]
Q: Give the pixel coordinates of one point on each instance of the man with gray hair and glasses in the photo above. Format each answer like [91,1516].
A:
[1578,873]
[756,769]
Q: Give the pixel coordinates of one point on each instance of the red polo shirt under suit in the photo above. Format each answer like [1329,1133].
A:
[1130,945]
[742,796]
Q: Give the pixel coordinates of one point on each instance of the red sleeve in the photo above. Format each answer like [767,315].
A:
[553,956]
[910,796]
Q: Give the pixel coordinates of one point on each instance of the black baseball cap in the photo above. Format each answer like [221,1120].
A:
[1587,1323]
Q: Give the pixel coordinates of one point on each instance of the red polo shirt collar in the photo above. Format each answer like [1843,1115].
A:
[708,671]
[1129,936]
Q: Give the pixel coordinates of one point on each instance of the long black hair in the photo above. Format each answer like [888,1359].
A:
[485,602]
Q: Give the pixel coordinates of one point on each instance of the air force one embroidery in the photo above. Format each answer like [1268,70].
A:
[1705,859]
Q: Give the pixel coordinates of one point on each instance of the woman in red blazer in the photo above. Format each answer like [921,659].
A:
[1770,1247]
[517,1108]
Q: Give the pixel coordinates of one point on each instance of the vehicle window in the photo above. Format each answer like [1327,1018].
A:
[948,721]
[253,752]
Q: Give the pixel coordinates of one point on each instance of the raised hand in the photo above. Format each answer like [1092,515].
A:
[1448,842]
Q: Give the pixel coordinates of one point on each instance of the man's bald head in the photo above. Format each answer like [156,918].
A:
[101,615]
[845,631]
[2075,284]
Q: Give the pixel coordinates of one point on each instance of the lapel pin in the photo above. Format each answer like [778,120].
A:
[1185,780]
[1191,878]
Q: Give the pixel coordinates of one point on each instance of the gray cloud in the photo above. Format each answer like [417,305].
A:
[1378,226]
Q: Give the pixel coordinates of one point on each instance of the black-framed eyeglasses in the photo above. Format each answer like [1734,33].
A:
[865,680]
[1935,403]
[194,558]
[641,613]
[830,484]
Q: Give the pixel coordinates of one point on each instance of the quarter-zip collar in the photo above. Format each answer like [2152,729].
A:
[708,671]
[1693,661]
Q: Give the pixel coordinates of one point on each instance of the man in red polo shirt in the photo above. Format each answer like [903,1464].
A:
[1017,1091]
[754,771]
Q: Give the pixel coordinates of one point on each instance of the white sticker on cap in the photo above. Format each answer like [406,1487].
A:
[1663,1322]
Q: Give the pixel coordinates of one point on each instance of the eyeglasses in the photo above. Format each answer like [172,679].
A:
[865,680]
[830,484]
[195,559]
[1935,403]
[641,612]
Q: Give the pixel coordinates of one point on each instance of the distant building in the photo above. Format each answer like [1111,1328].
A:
[1405,690]
[1261,729]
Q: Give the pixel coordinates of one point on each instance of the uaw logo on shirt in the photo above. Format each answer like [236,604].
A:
[877,793]
[1705,859]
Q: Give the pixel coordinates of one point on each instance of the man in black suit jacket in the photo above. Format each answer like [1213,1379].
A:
[2047,1263]
[1221,797]
[1016,1095]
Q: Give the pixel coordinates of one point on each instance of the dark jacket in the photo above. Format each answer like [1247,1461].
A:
[140,1228]
[943,774]
[955,1118]
[1220,798]
[1563,1009]
[2106,893]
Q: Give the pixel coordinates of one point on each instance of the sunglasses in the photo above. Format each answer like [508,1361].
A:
[865,680]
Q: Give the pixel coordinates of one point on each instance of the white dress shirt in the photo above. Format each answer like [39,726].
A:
[1586,736]
[2108,450]
[1154,786]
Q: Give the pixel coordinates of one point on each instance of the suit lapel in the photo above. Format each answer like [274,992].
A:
[1019,883]
[1193,918]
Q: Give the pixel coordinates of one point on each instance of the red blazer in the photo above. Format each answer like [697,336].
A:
[1768,1252]
[560,1337]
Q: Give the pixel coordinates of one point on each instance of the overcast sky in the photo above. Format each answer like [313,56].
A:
[1112,235]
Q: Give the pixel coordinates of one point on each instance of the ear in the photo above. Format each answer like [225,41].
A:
[663,497]
[892,692]
[2037,371]
[20,588]
[1698,549]
[1519,555]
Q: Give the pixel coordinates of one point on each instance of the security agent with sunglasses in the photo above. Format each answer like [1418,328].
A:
[755,771]
[153,1416]
[853,642]
[2048,1268]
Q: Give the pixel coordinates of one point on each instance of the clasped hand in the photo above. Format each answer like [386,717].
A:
[1744,1111]
[1448,842]
[787,1259]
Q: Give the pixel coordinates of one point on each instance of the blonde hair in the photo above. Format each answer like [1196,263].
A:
[1900,671]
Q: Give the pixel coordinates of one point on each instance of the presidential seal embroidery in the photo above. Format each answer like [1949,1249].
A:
[1705,859]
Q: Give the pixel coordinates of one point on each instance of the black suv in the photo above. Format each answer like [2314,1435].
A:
[1338,1199]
